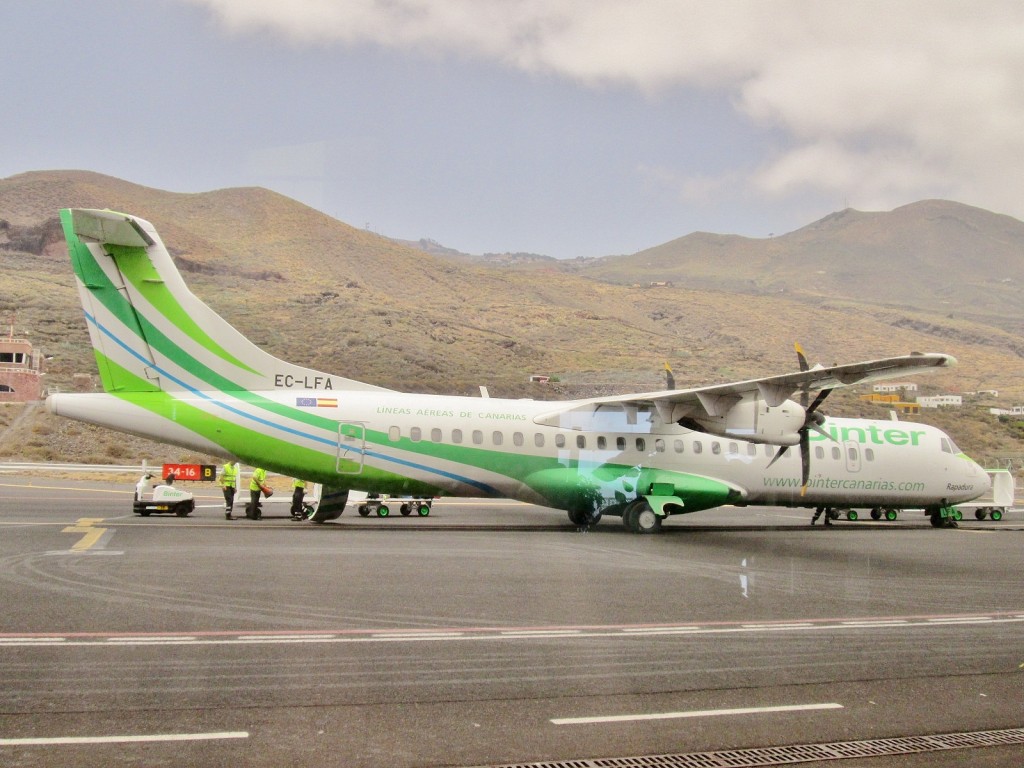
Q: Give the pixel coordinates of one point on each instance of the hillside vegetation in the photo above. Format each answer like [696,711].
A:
[321,293]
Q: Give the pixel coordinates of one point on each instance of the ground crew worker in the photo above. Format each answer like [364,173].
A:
[256,485]
[818,513]
[229,483]
[145,485]
[298,492]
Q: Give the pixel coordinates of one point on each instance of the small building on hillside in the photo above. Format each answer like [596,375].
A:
[896,386]
[941,401]
[21,371]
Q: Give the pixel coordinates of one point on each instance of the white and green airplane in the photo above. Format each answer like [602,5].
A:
[175,371]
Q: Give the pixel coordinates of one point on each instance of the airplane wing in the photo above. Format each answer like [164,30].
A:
[717,400]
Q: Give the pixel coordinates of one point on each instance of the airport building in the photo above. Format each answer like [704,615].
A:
[21,371]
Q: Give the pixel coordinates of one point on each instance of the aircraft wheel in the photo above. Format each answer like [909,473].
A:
[891,514]
[383,511]
[424,510]
[851,514]
[996,514]
[876,514]
[640,518]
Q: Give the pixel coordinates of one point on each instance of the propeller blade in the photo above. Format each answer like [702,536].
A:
[817,401]
[805,461]
[801,358]
[778,455]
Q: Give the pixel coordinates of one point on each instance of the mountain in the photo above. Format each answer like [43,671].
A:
[324,294]
[316,290]
[933,256]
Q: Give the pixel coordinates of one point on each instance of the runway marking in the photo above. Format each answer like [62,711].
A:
[128,739]
[693,713]
[92,536]
[109,639]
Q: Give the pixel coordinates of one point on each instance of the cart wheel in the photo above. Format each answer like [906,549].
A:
[144,512]
[424,510]
[383,511]
[405,510]
[891,514]
[851,514]
[876,514]
[364,510]
[996,514]
[958,515]
[980,513]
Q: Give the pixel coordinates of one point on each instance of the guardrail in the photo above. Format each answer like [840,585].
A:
[29,466]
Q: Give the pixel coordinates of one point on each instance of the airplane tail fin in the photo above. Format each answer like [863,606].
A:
[150,332]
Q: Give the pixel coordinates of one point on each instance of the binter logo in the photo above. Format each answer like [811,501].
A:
[871,434]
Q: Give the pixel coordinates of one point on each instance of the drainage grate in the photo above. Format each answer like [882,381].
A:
[799,753]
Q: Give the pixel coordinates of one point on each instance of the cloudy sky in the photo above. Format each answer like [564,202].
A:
[570,129]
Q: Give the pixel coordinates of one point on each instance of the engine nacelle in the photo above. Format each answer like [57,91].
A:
[748,418]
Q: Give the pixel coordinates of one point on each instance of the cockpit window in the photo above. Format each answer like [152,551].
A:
[948,446]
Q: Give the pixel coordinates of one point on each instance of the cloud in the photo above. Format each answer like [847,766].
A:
[880,102]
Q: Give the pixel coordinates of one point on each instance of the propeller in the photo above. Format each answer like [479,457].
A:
[812,420]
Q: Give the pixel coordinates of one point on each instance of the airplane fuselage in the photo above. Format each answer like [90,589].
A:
[399,443]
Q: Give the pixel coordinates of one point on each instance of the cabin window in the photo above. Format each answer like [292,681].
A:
[819,452]
[538,439]
[620,443]
[602,443]
[678,446]
[415,434]
[659,445]
[559,440]
[497,438]
[851,453]
[478,437]
[697,446]
[716,447]
[456,435]
[836,455]
[581,441]
[733,448]
[751,449]
[641,444]
[769,451]
[869,454]
[395,434]
[435,435]
[517,439]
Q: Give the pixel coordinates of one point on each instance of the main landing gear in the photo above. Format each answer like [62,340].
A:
[640,518]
